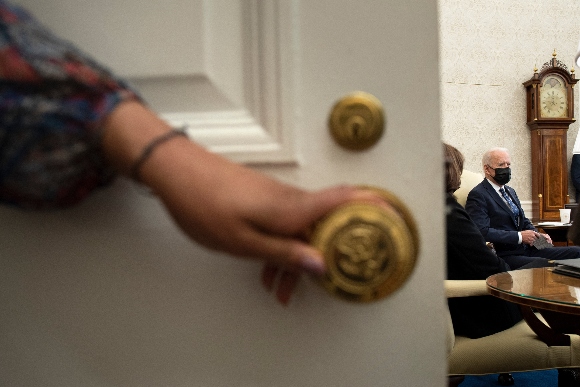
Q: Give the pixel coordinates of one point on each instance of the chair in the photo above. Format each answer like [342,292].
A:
[468,181]
[516,349]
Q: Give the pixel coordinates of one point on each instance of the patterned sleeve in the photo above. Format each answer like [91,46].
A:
[53,99]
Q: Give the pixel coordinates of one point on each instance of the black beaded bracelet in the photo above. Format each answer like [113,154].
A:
[136,167]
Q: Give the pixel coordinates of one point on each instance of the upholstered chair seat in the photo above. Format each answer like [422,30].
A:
[516,349]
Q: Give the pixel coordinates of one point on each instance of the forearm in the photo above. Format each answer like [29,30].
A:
[575,171]
[205,193]
[502,236]
[131,127]
[127,131]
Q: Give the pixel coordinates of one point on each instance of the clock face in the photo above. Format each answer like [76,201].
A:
[553,97]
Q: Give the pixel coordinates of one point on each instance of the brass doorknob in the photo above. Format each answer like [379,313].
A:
[357,121]
[369,250]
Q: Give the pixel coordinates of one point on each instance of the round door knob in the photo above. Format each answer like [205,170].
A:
[369,250]
[357,121]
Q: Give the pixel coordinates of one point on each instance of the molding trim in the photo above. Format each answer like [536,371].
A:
[527,207]
[262,131]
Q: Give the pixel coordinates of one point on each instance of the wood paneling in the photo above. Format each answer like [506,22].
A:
[549,173]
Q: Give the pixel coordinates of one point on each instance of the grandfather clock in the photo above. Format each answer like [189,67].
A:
[550,111]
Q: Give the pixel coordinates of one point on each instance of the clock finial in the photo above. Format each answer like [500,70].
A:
[554,53]
[535,69]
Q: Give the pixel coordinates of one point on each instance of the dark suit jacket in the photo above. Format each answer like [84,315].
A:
[575,175]
[468,258]
[495,220]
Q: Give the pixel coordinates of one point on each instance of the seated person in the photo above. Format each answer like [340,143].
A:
[575,173]
[469,258]
[496,210]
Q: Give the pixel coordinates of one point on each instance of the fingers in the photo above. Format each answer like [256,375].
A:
[274,235]
[324,201]
[290,253]
[286,283]
[269,276]
[547,237]
[529,236]
[301,209]
[287,256]
[286,286]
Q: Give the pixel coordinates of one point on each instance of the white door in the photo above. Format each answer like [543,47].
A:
[110,293]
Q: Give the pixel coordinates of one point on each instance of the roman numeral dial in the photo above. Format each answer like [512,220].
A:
[553,98]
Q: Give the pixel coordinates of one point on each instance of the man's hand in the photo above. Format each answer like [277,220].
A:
[547,238]
[529,236]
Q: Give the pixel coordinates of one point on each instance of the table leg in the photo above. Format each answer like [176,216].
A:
[544,332]
[562,322]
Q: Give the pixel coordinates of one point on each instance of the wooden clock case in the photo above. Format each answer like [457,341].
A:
[549,144]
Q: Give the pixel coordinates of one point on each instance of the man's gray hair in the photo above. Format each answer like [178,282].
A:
[486,159]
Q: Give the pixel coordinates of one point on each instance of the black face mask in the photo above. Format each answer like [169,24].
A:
[502,175]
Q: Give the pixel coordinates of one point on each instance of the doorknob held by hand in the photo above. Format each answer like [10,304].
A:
[369,250]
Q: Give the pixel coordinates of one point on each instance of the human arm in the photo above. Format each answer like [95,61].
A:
[86,126]
[468,257]
[530,236]
[575,171]
[220,204]
[574,230]
[548,239]
[52,102]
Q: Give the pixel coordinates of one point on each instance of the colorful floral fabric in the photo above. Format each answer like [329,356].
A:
[53,99]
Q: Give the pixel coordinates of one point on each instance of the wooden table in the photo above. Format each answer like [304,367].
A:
[558,233]
[556,297]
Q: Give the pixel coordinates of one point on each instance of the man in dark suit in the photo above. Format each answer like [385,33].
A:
[575,173]
[496,210]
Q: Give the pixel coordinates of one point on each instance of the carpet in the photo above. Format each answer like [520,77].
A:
[547,378]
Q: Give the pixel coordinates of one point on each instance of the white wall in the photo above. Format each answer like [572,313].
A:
[488,48]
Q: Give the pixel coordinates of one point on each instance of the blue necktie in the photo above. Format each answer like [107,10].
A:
[510,203]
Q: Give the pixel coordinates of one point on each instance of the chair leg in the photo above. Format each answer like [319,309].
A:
[456,380]
[505,380]
[569,377]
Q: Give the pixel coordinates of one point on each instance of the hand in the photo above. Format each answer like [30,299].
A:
[220,204]
[287,278]
[261,225]
[244,213]
[547,238]
[286,283]
[529,236]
